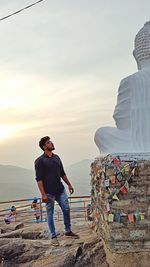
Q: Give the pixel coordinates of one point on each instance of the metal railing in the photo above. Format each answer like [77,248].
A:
[26,214]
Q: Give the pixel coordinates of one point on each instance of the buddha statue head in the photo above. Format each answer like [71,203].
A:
[142,46]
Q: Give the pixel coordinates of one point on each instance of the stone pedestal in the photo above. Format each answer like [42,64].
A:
[121,208]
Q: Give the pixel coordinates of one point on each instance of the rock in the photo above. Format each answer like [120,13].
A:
[69,261]
[17,251]
[13,234]
[30,235]
[79,252]
[26,251]
[11,227]
[45,234]
[19,226]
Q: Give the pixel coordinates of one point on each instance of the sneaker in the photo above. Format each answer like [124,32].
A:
[57,234]
[54,242]
[71,234]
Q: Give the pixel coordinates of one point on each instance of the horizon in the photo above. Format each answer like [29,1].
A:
[61,65]
[32,169]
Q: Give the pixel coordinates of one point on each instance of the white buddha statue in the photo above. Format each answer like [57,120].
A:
[132,111]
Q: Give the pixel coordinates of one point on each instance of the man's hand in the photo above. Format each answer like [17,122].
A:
[71,189]
[44,198]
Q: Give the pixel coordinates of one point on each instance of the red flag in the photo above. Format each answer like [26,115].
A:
[123,189]
[116,161]
[113,179]
[131,217]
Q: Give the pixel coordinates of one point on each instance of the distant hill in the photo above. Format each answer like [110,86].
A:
[79,175]
[17,182]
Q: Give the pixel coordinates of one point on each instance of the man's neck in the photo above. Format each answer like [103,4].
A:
[48,153]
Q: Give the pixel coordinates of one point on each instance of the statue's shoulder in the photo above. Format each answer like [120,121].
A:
[129,80]
[131,77]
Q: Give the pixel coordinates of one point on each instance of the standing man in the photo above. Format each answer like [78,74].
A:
[49,171]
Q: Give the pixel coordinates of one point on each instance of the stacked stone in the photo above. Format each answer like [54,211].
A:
[121,203]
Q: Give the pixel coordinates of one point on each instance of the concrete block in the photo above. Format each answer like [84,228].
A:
[146,244]
[137,234]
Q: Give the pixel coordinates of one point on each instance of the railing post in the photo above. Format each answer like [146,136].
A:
[41,210]
[70,207]
[84,210]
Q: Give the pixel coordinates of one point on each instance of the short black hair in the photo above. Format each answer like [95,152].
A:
[43,141]
[13,208]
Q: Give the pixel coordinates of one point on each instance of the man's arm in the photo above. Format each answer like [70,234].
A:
[71,189]
[39,175]
[41,188]
[64,177]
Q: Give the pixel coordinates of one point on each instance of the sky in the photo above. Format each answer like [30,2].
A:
[61,65]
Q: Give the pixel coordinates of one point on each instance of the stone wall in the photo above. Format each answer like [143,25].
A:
[121,205]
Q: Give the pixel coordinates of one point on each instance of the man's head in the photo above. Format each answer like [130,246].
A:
[46,144]
[35,200]
[13,208]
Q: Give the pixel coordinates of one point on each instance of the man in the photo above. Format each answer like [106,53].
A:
[11,216]
[49,171]
[36,207]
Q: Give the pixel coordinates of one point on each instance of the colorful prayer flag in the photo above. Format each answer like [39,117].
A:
[115,197]
[131,217]
[142,216]
[117,217]
[126,185]
[119,176]
[107,183]
[127,167]
[123,189]
[113,179]
[111,217]
[133,172]
[106,216]
[108,207]
[137,215]
[123,171]
[116,161]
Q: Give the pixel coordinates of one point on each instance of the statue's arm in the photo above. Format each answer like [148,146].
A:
[140,121]
[122,109]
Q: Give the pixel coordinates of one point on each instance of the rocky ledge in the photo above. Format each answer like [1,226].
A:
[30,245]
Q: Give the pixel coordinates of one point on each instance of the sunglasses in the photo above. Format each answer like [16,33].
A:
[48,142]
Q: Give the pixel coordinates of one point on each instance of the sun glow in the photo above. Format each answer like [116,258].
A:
[7,131]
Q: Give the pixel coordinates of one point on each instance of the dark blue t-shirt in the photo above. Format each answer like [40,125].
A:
[50,171]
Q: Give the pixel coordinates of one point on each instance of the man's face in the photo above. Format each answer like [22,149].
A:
[49,145]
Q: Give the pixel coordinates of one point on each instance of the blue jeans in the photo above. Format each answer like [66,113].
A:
[62,200]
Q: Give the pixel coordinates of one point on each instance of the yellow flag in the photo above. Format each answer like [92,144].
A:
[115,197]
[127,167]
[133,171]
[111,217]
[126,185]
